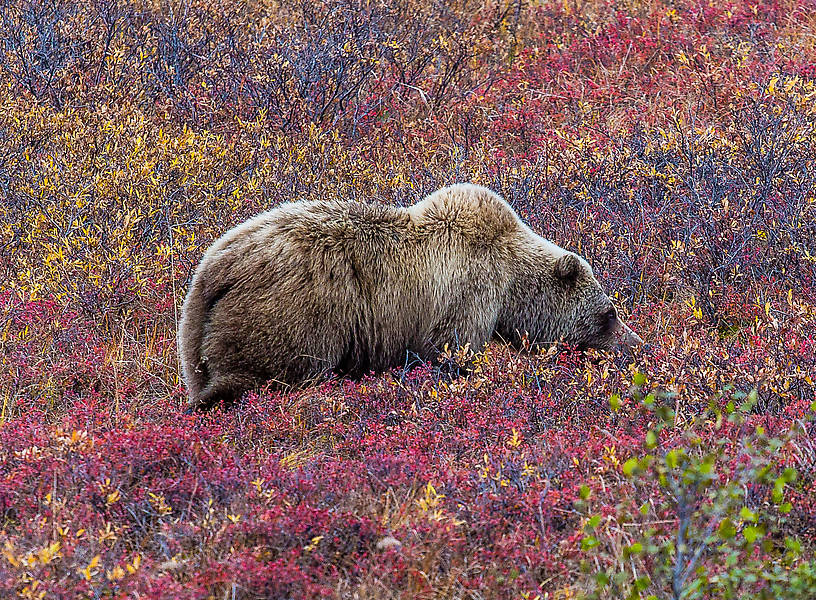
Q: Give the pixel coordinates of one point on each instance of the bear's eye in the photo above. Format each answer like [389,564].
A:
[608,319]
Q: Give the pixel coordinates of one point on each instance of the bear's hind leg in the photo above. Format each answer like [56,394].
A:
[224,388]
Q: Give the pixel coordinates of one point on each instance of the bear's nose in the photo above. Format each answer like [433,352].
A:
[632,339]
[629,340]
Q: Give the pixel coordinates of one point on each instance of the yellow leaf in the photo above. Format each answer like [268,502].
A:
[87,572]
[8,552]
[515,439]
[135,566]
[46,554]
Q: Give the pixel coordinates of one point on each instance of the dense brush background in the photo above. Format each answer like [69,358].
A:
[671,143]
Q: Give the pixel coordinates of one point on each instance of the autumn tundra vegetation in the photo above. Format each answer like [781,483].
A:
[670,143]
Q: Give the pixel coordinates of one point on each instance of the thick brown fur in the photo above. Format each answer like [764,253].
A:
[315,287]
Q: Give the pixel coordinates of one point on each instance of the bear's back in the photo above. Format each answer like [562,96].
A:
[462,215]
[477,214]
[306,234]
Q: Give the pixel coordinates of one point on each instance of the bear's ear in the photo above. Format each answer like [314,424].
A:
[567,267]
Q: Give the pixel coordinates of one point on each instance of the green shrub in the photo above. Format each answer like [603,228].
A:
[703,520]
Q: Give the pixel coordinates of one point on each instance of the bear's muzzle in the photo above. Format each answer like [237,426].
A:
[628,340]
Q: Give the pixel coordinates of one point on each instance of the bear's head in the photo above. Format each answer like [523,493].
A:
[557,298]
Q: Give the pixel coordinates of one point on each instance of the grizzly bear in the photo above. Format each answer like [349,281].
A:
[313,287]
